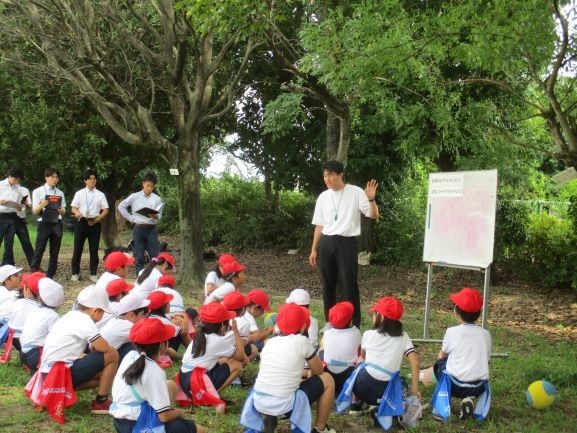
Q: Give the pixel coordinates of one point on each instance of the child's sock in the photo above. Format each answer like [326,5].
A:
[101,398]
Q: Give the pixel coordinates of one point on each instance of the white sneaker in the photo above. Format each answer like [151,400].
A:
[75,277]
[93,278]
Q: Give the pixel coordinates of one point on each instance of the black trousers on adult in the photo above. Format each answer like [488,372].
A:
[22,232]
[7,235]
[47,232]
[339,267]
[83,231]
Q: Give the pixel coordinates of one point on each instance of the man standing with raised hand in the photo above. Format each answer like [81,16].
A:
[337,221]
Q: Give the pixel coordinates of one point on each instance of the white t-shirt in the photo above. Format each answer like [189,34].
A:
[89,202]
[385,351]
[177,303]
[281,364]
[339,212]
[212,278]
[216,347]
[68,339]
[243,330]
[218,294]
[148,285]
[25,193]
[469,349]
[341,348]
[151,387]
[116,331]
[313,332]
[40,194]
[7,299]
[37,326]
[21,309]
[253,326]
[106,278]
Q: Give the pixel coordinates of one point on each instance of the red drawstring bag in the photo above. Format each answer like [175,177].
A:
[203,391]
[53,390]
[6,336]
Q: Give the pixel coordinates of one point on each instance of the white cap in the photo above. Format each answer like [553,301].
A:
[131,302]
[51,293]
[7,271]
[299,297]
[94,297]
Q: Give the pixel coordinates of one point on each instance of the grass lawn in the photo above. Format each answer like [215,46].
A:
[532,355]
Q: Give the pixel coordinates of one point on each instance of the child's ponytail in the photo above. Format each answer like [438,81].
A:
[134,372]
[199,343]
[148,269]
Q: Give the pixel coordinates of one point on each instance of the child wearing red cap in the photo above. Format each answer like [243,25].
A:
[159,308]
[140,386]
[279,388]
[234,277]
[147,280]
[382,349]
[116,290]
[167,284]
[465,352]
[222,361]
[26,303]
[215,278]
[257,305]
[39,322]
[341,344]
[117,265]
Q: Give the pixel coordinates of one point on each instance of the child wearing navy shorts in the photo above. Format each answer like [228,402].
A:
[141,381]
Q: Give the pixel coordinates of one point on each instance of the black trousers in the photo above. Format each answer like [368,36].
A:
[338,264]
[47,232]
[22,233]
[83,231]
[7,231]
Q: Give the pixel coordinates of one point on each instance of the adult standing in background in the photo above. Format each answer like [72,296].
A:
[49,203]
[10,204]
[337,221]
[145,212]
[89,207]
[20,224]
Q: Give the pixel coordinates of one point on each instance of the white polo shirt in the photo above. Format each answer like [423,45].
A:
[40,194]
[148,285]
[7,299]
[385,351]
[25,193]
[21,309]
[281,364]
[68,339]
[89,202]
[106,278]
[341,348]
[37,326]
[10,193]
[339,212]
[116,331]
[212,278]
[177,303]
[150,387]
[216,347]
[469,349]
[243,330]
[139,200]
[218,295]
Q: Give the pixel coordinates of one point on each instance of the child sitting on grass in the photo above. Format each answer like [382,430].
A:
[234,276]
[465,355]
[215,278]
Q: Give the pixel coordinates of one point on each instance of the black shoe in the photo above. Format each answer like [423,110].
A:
[270,423]
[358,409]
[467,408]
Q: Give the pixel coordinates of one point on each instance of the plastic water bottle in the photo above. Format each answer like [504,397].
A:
[413,411]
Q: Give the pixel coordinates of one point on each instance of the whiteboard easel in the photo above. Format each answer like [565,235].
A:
[460,228]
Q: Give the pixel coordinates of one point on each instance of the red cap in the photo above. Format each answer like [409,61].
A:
[117,286]
[292,318]
[389,307]
[157,299]
[166,280]
[167,258]
[469,300]
[258,297]
[150,331]
[117,259]
[341,314]
[31,281]
[232,267]
[215,313]
[225,258]
[234,301]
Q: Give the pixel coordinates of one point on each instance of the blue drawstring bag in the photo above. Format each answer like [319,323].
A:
[441,402]
[391,402]
[148,421]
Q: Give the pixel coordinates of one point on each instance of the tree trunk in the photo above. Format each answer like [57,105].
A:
[333,132]
[191,269]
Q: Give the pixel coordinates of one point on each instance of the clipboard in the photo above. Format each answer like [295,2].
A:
[51,213]
[14,205]
[146,211]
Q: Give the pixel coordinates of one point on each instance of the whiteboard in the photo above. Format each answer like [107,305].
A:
[460,224]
